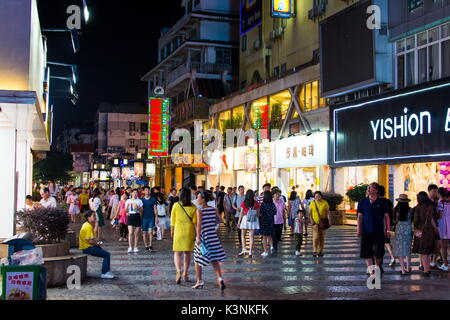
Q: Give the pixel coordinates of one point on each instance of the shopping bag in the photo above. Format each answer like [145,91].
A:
[158,234]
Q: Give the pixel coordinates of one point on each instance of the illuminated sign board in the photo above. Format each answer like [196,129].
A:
[398,126]
[158,127]
[262,120]
[251,15]
[138,169]
[282,8]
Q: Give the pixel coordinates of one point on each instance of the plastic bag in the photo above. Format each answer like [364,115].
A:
[28,257]
[158,234]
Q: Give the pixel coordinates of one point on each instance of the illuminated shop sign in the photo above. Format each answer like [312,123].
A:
[302,151]
[159,121]
[397,126]
[251,15]
[262,120]
[282,8]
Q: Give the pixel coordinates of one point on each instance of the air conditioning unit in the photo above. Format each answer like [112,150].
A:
[257,44]
[280,31]
[272,35]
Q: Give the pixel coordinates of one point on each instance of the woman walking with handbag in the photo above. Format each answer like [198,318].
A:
[248,221]
[278,219]
[268,211]
[293,207]
[320,219]
[444,226]
[183,222]
[208,249]
[425,231]
[402,242]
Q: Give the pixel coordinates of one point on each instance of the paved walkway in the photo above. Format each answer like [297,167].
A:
[340,275]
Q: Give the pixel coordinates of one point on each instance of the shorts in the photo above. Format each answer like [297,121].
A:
[387,240]
[134,220]
[148,224]
[372,245]
[162,222]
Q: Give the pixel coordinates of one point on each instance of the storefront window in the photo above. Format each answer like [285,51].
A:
[310,97]
[238,117]
[225,121]
[279,105]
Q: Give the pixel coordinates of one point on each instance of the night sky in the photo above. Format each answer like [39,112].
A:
[118,46]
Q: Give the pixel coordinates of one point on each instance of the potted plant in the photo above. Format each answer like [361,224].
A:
[357,193]
[334,201]
[50,226]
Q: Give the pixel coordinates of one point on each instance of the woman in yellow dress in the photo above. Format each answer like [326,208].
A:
[183,222]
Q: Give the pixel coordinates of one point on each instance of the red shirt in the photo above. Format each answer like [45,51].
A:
[245,209]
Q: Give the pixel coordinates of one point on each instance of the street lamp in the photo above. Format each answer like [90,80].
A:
[86,11]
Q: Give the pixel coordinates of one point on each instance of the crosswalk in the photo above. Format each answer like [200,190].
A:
[340,275]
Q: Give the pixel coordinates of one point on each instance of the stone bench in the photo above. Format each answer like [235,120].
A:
[57,268]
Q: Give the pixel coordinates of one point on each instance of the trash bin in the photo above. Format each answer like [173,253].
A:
[22,282]
[19,242]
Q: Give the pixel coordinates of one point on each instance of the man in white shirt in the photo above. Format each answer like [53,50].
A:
[47,201]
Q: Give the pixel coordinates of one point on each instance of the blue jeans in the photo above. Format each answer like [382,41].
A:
[99,252]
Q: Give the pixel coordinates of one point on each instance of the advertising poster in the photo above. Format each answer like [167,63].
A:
[115,173]
[19,285]
[282,8]
[95,175]
[138,169]
[151,170]
[250,162]
[126,173]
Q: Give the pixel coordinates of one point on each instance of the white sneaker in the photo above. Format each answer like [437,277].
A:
[130,250]
[298,253]
[108,275]
[272,249]
[432,264]
[121,239]
[264,255]
[136,250]
[443,268]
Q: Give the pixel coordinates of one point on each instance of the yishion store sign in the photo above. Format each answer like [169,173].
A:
[399,126]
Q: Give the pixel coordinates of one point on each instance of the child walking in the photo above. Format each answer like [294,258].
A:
[298,231]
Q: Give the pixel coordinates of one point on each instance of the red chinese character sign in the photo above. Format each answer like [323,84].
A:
[158,127]
[262,121]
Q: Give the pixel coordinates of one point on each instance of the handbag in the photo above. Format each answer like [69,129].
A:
[251,215]
[324,223]
[204,250]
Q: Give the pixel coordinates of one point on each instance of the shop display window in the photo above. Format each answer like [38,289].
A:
[225,121]
[238,116]
[279,105]
[310,97]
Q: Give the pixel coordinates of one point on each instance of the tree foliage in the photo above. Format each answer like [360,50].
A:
[55,167]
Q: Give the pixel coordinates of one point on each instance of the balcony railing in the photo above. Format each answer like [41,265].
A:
[207,68]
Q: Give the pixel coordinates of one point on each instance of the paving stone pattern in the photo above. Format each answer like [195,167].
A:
[340,275]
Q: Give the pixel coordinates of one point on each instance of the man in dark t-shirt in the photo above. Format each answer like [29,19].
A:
[390,209]
[373,227]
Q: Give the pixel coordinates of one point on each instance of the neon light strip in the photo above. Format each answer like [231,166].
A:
[380,100]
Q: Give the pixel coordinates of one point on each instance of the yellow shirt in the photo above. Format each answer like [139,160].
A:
[323,209]
[184,235]
[84,199]
[86,234]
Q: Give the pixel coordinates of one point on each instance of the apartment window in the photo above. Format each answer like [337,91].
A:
[143,144]
[310,98]
[414,4]
[131,143]
[244,43]
[132,126]
[144,127]
[276,71]
[223,56]
[423,57]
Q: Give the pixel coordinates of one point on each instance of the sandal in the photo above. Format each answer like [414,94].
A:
[199,285]
[222,284]
[186,277]
[178,278]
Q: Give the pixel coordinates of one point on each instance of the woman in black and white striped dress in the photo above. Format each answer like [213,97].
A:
[208,249]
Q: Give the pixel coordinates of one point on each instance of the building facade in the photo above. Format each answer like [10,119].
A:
[401,140]
[280,95]
[23,103]
[120,130]
[198,62]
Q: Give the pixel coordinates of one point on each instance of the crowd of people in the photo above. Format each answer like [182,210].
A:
[193,216]
[402,231]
